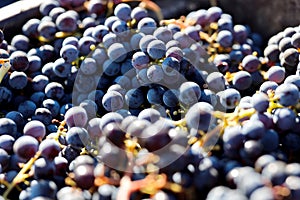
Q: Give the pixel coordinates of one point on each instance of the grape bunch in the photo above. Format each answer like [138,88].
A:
[108,100]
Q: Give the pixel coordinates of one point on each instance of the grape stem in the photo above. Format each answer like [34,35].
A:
[21,176]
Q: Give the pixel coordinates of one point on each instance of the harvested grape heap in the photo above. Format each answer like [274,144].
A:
[110,101]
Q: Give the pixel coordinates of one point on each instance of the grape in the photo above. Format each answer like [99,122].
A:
[66,22]
[123,11]
[253,129]
[288,94]
[19,61]
[93,128]
[272,53]
[137,126]
[35,63]
[260,102]
[229,98]
[49,149]
[174,52]
[111,68]
[233,138]
[47,6]
[295,40]
[199,116]
[61,67]
[112,101]
[17,80]
[25,147]
[55,12]
[213,13]
[292,183]
[84,45]
[52,105]
[43,189]
[268,86]
[193,33]
[275,172]
[120,27]
[43,168]
[284,119]
[146,25]
[69,53]
[84,176]
[240,33]
[99,32]
[171,98]
[110,117]
[134,98]
[225,24]
[242,80]
[138,13]
[116,52]
[156,49]
[184,40]
[149,114]
[290,57]
[27,108]
[140,60]
[109,39]
[216,81]
[170,64]
[155,95]
[276,74]
[6,143]
[20,42]
[123,81]
[37,98]
[76,116]
[135,40]
[35,129]
[47,29]
[77,137]
[5,95]
[189,93]
[155,73]
[250,63]
[262,193]
[30,28]
[155,136]
[44,115]
[284,44]
[70,40]
[54,91]
[225,38]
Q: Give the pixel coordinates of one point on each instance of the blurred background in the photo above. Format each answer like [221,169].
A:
[263,16]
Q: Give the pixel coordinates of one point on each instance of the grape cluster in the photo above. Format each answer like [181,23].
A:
[106,100]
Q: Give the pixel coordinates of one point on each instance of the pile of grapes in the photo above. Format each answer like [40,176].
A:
[105,100]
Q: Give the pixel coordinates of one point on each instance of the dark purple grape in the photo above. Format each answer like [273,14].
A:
[115,134]
[43,168]
[84,176]
[35,129]
[49,149]
[25,147]
[19,61]
[66,22]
